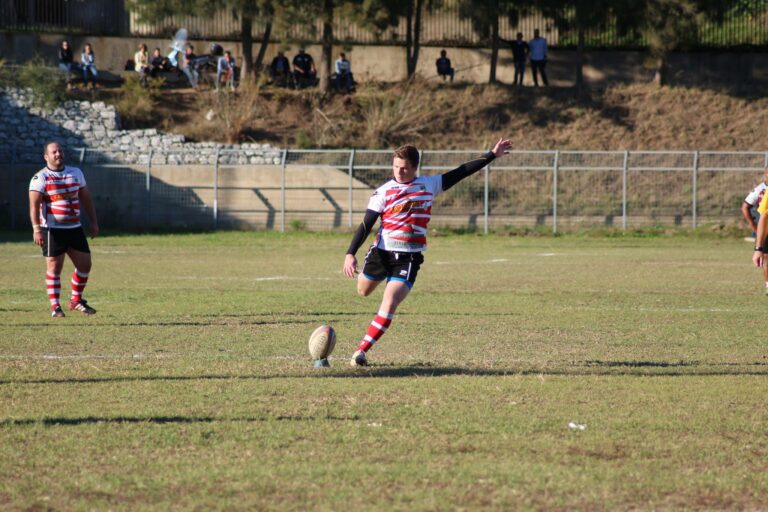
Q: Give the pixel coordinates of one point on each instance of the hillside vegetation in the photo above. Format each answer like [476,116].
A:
[442,116]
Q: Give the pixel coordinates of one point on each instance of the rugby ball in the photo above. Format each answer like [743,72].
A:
[321,342]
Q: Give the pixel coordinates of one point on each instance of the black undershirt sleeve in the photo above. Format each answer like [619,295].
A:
[467,169]
[363,230]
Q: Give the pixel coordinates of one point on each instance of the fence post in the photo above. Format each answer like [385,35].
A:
[486,207]
[82,155]
[695,184]
[148,185]
[12,188]
[282,191]
[351,171]
[418,167]
[765,160]
[216,190]
[554,191]
[624,191]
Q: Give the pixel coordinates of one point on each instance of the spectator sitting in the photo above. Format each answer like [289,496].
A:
[304,71]
[280,69]
[343,73]
[66,63]
[88,61]
[158,63]
[190,66]
[443,64]
[141,63]
[226,70]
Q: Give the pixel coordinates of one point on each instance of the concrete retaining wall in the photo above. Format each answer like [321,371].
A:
[387,63]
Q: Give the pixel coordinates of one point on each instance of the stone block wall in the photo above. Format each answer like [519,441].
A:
[95,126]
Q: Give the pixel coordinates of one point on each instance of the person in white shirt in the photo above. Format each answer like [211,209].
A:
[343,73]
[404,205]
[141,63]
[56,195]
[538,55]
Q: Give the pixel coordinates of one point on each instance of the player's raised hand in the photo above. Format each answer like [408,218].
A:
[501,147]
[350,265]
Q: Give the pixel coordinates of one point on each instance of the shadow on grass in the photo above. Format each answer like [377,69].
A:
[86,420]
[588,368]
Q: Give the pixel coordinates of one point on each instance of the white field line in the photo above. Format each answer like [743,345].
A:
[85,357]
[257,279]
[499,260]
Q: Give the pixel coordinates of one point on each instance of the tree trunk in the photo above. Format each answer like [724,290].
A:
[409,38]
[259,63]
[413,35]
[417,34]
[327,42]
[580,62]
[494,48]
[246,28]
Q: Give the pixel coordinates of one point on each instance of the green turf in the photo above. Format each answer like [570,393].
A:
[192,387]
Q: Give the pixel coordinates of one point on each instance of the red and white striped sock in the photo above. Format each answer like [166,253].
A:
[376,330]
[53,285]
[79,280]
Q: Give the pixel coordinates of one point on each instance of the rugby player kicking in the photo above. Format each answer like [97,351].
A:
[55,195]
[404,204]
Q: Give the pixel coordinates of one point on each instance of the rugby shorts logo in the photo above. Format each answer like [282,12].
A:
[403,272]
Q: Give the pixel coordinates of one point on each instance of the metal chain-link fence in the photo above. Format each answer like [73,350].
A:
[329,189]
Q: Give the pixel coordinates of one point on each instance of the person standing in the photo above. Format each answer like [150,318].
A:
[404,204]
[538,53]
[88,61]
[56,193]
[520,52]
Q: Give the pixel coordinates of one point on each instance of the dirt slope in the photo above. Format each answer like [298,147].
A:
[439,116]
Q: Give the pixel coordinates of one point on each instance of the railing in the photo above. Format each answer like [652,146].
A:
[744,24]
[329,189]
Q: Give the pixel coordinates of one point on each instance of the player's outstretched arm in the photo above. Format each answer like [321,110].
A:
[363,230]
[469,168]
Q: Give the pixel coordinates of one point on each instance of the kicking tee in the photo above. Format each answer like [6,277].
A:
[406,209]
[61,199]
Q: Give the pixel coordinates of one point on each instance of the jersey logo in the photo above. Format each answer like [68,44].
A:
[35,177]
[406,207]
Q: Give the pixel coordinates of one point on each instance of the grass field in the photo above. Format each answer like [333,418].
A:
[192,387]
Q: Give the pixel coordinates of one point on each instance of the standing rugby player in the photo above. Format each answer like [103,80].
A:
[752,202]
[56,193]
[404,204]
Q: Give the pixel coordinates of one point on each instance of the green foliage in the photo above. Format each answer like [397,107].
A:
[137,103]
[303,140]
[48,85]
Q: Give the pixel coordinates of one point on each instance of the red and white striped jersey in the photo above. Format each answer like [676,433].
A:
[756,196]
[61,199]
[406,209]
